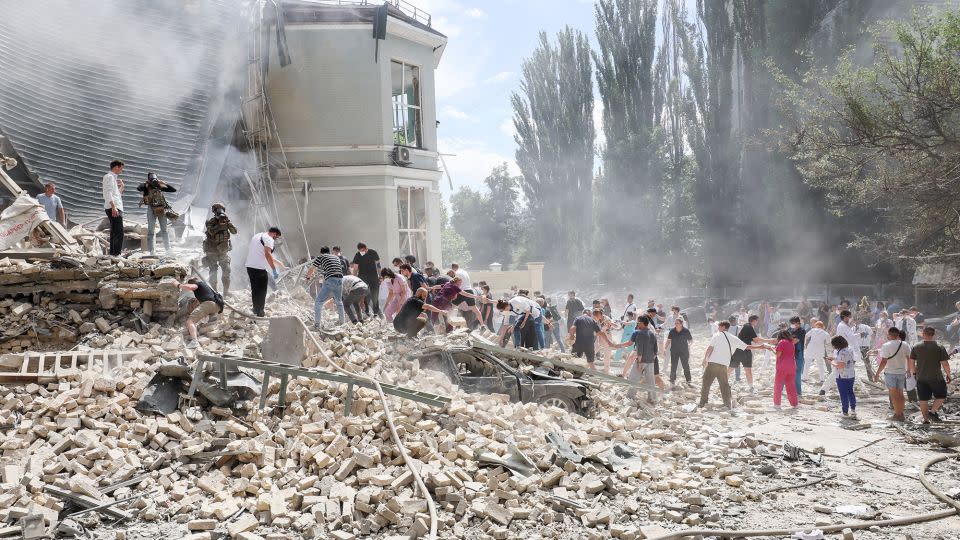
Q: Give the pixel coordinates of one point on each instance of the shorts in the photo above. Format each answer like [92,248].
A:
[741,358]
[460,299]
[203,310]
[895,381]
[937,389]
[588,352]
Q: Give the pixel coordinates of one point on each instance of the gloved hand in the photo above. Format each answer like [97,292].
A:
[276,275]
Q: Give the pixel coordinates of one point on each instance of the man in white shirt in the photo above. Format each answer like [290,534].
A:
[113,205]
[527,312]
[716,360]
[259,260]
[847,329]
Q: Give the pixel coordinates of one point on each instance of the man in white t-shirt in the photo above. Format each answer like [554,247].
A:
[259,260]
[716,360]
[848,329]
[895,363]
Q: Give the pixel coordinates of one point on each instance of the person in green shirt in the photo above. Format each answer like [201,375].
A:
[932,371]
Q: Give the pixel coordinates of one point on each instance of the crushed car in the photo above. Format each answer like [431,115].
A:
[478,371]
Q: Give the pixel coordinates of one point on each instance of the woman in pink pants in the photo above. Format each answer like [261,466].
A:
[786,370]
[397,292]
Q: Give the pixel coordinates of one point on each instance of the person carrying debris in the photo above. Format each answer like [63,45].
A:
[354,291]
[528,317]
[157,208]
[332,272]
[113,205]
[411,317]
[209,303]
[642,366]
[366,266]
[584,330]
[217,246]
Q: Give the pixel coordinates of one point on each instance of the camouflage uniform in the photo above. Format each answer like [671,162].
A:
[216,250]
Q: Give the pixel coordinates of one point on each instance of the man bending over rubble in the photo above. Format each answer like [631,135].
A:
[210,303]
[411,317]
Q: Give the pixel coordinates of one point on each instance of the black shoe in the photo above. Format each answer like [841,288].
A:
[823,392]
[934,417]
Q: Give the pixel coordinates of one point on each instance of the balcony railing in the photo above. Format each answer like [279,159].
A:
[405,7]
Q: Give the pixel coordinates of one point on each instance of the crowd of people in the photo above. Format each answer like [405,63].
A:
[815,342]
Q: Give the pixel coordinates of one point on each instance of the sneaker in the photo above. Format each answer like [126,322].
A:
[925,423]
[751,390]
[777,408]
[934,417]
[192,344]
[853,415]
[823,392]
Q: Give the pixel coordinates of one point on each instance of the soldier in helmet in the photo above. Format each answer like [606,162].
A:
[216,246]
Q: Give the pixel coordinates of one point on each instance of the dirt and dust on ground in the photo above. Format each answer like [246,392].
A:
[86,454]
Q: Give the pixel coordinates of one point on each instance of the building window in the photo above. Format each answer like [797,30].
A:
[407,115]
[412,221]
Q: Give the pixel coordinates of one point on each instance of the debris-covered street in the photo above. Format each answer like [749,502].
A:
[85,449]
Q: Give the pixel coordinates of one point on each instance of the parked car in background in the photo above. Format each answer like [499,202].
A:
[478,371]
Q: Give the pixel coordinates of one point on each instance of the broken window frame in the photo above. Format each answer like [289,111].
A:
[413,236]
[407,116]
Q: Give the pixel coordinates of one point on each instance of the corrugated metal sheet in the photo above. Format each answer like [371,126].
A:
[74,96]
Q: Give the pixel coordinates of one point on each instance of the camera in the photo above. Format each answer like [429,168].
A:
[153,181]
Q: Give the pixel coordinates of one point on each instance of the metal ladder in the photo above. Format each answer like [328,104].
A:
[285,371]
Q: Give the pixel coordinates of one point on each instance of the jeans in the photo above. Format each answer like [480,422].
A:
[116,232]
[848,400]
[152,220]
[258,289]
[711,373]
[799,376]
[538,328]
[332,288]
[554,335]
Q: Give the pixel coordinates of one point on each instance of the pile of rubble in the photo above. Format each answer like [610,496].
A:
[318,470]
[52,304]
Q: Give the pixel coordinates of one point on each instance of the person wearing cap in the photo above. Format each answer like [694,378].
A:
[153,190]
[217,246]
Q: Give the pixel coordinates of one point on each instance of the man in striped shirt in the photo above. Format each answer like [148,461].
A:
[332,272]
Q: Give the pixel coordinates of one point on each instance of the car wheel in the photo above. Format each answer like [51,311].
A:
[559,402]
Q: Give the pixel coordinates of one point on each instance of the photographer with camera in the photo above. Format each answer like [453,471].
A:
[217,246]
[157,208]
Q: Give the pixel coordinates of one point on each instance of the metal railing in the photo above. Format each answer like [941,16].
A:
[405,7]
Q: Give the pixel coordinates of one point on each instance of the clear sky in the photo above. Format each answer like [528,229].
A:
[480,68]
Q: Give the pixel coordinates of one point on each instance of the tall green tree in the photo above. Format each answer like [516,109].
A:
[886,136]
[488,220]
[628,209]
[553,117]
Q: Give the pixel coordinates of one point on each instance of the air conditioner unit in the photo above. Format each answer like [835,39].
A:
[401,155]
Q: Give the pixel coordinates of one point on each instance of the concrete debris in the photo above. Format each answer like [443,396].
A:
[496,467]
